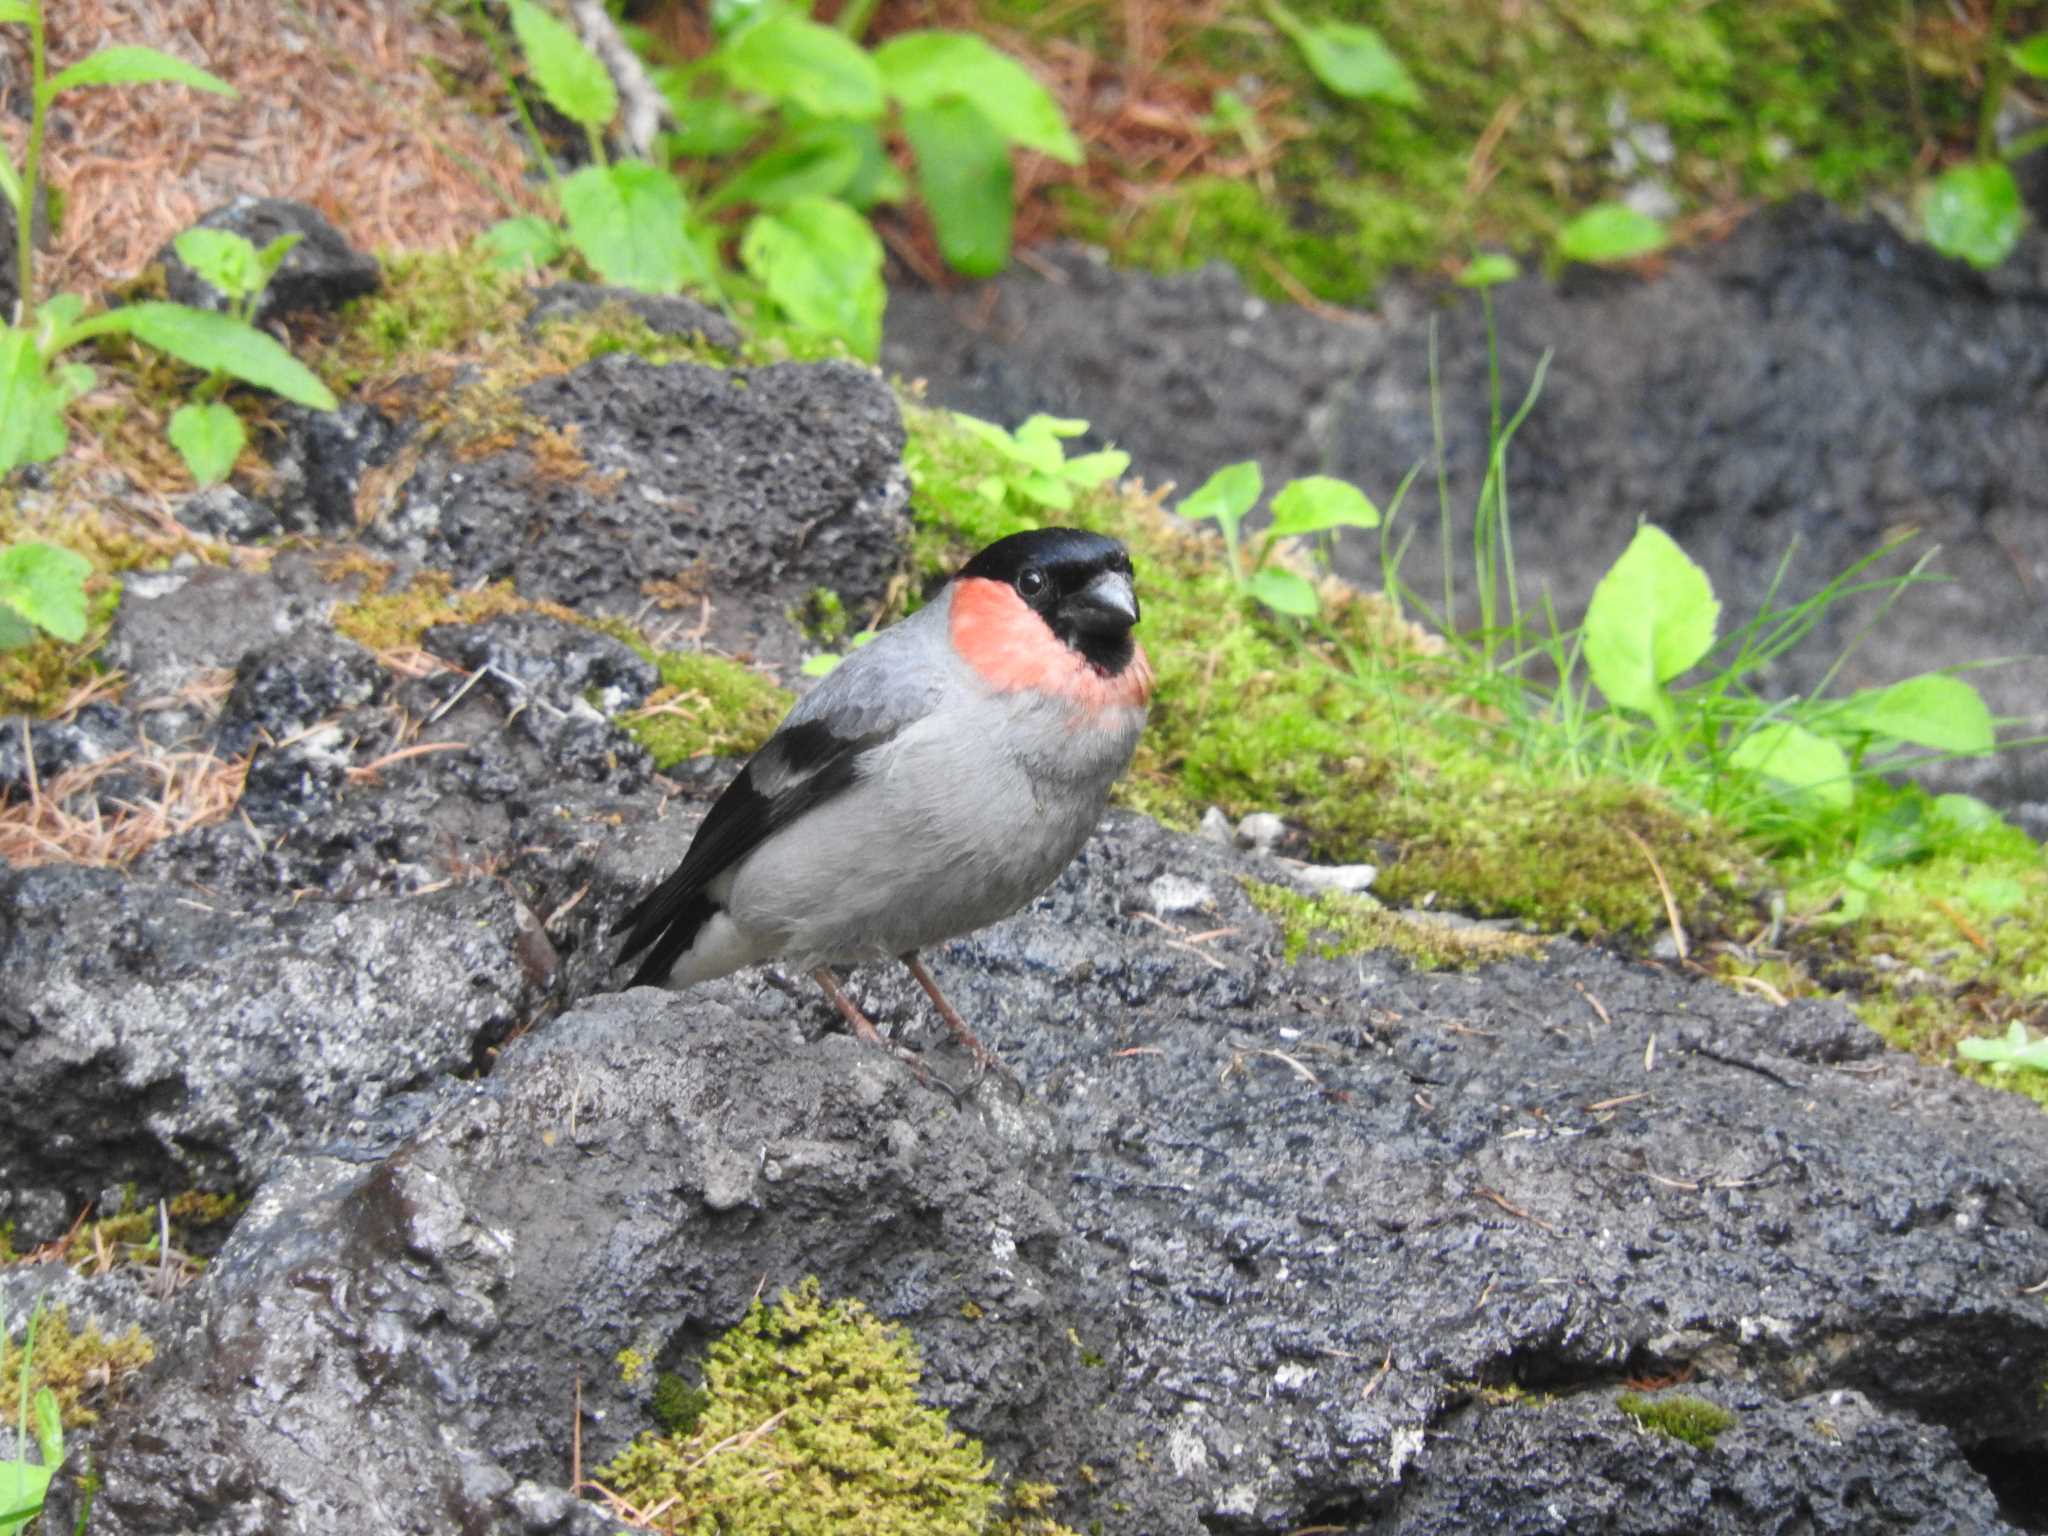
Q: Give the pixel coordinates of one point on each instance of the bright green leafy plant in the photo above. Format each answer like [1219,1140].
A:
[207,434]
[23,1483]
[2017,1051]
[1973,211]
[42,586]
[785,116]
[1609,232]
[1039,472]
[1351,60]
[1312,505]
[36,385]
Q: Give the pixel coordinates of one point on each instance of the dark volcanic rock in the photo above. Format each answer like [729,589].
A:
[759,485]
[1244,1253]
[1811,384]
[154,1038]
[283,689]
[664,314]
[322,272]
[321,465]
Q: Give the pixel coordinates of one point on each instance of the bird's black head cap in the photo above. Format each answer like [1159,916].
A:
[1078,582]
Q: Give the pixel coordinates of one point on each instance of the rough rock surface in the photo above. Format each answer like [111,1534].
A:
[1256,1249]
[1811,379]
[749,487]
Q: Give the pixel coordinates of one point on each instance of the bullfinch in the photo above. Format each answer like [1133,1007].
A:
[937,780]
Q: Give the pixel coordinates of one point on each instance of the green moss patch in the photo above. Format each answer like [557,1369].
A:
[80,1366]
[809,1425]
[1334,924]
[1692,1419]
[706,705]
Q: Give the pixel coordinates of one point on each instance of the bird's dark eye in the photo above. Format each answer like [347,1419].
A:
[1031,581]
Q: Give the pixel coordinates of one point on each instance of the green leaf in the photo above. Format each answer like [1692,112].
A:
[793,59]
[27,408]
[49,1428]
[821,664]
[514,245]
[707,127]
[813,162]
[1932,710]
[1610,232]
[2030,54]
[1802,762]
[1965,813]
[629,221]
[821,263]
[963,171]
[1226,495]
[1318,503]
[208,438]
[45,584]
[15,632]
[273,255]
[1974,213]
[2017,1050]
[1488,269]
[1652,616]
[922,69]
[10,183]
[216,343]
[1283,592]
[133,66]
[1095,468]
[22,1491]
[573,79]
[1354,62]
[223,259]
[13,11]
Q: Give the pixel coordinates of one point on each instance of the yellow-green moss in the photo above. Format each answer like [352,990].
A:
[1680,1417]
[811,1427]
[81,1367]
[1334,923]
[706,705]
[384,620]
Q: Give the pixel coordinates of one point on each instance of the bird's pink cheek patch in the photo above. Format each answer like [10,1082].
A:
[999,636]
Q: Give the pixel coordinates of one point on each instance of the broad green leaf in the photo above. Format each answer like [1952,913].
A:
[24,397]
[15,632]
[875,179]
[573,79]
[1610,232]
[629,222]
[963,171]
[1965,813]
[2017,1050]
[13,11]
[1652,616]
[707,126]
[1974,213]
[1226,495]
[1489,269]
[45,584]
[273,255]
[811,163]
[818,68]
[216,343]
[1802,762]
[922,69]
[2031,55]
[1046,491]
[1283,592]
[1354,62]
[1318,503]
[22,1491]
[1932,710]
[208,438]
[820,665]
[1038,442]
[1994,895]
[1095,468]
[514,245]
[223,259]
[130,65]
[821,263]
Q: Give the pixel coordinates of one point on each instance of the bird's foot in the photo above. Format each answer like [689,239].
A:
[985,1060]
[864,1030]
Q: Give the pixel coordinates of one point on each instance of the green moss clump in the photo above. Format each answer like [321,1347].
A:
[706,705]
[384,620]
[812,1427]
[79,1367]
[1334,924]
[677,1406]
[1692,1419]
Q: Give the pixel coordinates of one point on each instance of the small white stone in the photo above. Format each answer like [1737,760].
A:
[1261,831]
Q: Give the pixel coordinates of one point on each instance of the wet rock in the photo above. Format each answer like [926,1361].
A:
[222,512]
[749,487]
[285,688]
[664,314]
[152,1037]
[320,468]
[1242,1252]
[322,272]
[96,732]
[536,654]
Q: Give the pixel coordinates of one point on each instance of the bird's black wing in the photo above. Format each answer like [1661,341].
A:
[803,765]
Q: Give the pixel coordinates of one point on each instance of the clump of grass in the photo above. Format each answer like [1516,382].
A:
[1693,1420]
[808,1424]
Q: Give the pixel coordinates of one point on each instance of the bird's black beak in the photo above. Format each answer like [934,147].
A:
[1106,606]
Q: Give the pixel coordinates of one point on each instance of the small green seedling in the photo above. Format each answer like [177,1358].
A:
[23,1483]
[1302,508]
[2019,1051]
[42,586]
[1351,60]
[207,434]
[1611,232]
[1040,472]
[1974,211]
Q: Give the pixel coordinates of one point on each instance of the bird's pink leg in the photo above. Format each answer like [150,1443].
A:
[984,1058]
[862,1029]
